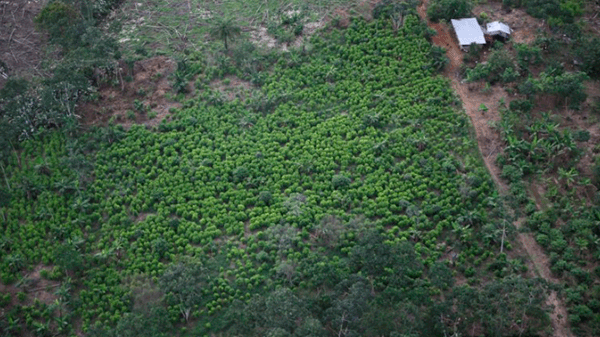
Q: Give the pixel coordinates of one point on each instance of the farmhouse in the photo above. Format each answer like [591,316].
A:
[468,31]
[497,28]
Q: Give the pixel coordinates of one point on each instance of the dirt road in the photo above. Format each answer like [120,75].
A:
[490,145]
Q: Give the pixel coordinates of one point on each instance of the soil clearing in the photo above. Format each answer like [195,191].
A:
[489,140]
[37,288]
[148,85]
[20,43]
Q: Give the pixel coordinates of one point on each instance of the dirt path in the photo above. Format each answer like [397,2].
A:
[490,145]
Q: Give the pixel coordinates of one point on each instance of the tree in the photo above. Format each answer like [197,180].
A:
[568,87]
[449,9]
[283,310]
[512,306]
[279,313]
[61,22]
[589,53]
[441,276]
[225,29]
[184,283]
[69,257]
[345,315]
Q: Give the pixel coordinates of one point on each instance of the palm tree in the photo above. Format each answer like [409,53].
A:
[225,29]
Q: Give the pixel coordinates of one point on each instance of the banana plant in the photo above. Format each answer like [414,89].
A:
[568,176]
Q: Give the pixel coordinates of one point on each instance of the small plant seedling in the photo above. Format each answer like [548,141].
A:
[483,108]
[486,88]
[138,106]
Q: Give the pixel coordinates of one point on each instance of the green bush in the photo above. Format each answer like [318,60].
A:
[62,22]
[596,171]
[266,197]
[496,68]
[522,105]
[240,174]
[449,9]
[5,300]
[589,53]
[512,173]
[543,240]
[582,135]
[340,181]
[568,87]
[473,54]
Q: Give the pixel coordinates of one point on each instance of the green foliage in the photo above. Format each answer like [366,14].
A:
[511,173]
[596,171]
[589,54]
[499,67]
[184,283]
[226,29]
[340,181]
[439,60]
[582,135]
[567,86]
[344,173]
[521,105]
[449,9]
[557,12]
[62,22]
[265,197]
[473,54]
[527,55]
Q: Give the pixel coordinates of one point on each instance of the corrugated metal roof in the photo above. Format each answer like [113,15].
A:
[497,27]
[468,31]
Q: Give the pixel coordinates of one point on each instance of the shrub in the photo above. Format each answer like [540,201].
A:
[438,58]
[509,75]
[266,197]
[589,53]
[240,173]
[340,181]
[522,105]
[583,312]
[582,136]
[512,173]
[496,68]
[61,22]
[558,245]
[449,9]
[596,171]
[5,300]
[474,53]
[568,87]
[543,240]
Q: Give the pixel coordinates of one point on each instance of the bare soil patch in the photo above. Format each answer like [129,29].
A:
[20,43]
[148,84]
[342,14]
[584,119]
[233,87]
[34,286]
[524,27]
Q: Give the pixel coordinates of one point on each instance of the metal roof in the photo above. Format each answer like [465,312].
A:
[468,31]
[497,27]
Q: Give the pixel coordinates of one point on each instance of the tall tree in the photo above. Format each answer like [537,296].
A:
[184,282]
[225,29]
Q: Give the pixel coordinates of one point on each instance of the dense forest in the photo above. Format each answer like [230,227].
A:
[338,190]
